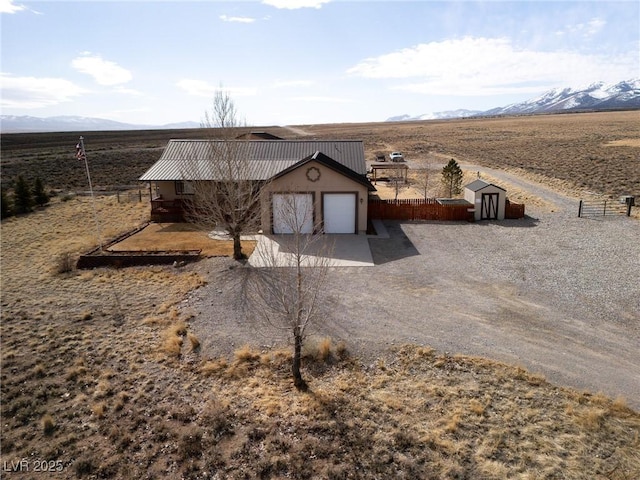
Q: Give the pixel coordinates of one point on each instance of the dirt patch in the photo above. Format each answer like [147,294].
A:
[626,142]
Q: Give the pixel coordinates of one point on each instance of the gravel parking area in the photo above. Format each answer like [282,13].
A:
[552,292]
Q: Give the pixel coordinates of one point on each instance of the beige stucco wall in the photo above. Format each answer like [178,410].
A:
[167,190]
[329,181]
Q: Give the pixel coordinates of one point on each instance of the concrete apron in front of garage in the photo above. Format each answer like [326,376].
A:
[340,250]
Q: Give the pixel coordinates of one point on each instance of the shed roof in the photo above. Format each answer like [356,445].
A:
[261,159]
[478,185]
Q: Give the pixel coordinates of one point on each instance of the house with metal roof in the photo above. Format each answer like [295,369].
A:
[327,179]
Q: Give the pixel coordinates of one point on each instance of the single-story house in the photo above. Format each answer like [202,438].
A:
[488,200]
[327,179]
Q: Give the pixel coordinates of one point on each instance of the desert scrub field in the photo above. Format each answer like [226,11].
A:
[576,153]
[101,372]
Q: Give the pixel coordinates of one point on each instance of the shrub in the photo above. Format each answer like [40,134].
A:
[246,354]
[84,466]
[195,342]
[5,204]
[48,426]
[190,444]
[22,197]
[65,263]
[318,350]
[40,196]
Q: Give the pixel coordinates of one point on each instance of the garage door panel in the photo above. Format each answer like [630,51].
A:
[292,212]
[339,211]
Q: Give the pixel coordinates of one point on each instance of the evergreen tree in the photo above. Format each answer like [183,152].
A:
[40,196]
[5,203]
[22,197]
[452,178]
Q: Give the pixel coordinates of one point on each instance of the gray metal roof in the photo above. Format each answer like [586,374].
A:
[478,185]
[257,159]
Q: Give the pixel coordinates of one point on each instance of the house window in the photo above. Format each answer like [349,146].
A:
[184,188]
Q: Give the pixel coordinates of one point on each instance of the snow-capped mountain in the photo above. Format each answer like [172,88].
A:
[460,113]
[597,96]
[69,123]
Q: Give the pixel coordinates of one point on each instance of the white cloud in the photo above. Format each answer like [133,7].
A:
[226,18]
[294,4]
[104,72]
[489,66]
[200,88]
[31,92]
[592,27]
[293,83]
[7,6]
[128,91]
[321,99]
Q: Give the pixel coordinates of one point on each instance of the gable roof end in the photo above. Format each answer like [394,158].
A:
[478,185]
[329,163]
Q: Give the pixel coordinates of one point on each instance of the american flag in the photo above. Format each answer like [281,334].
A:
[80,155]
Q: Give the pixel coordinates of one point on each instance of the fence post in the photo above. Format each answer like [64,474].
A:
[580,209]
[604,209]
[139,196]
[118,195]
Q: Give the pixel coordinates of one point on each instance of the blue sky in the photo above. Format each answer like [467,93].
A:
[289,62]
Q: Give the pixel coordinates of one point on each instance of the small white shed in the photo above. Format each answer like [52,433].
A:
[488,200]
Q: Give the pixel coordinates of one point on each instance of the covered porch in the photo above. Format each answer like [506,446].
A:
[168,211]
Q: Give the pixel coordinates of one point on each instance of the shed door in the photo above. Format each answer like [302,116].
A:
[292,213]
[489,209]
[339,211]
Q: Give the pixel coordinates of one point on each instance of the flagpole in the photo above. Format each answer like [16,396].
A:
[83,155]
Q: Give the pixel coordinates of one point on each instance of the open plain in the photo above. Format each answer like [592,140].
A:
[143,373]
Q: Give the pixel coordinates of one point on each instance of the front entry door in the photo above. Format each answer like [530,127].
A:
[489,209]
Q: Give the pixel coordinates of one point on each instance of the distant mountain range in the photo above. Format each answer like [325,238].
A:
[597,96]
[437,115]
[68,123]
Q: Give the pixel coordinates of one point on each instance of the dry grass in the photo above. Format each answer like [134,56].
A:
[179,236]
[577,153]
[82,348]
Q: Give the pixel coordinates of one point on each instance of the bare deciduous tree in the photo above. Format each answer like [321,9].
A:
[223,181]
[286,291]
[421,181]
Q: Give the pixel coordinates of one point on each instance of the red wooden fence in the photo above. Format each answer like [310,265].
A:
[417,209]
[513,210]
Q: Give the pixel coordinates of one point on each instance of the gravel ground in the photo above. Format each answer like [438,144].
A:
[552,292]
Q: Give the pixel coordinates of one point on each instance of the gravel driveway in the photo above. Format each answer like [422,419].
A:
[552,292]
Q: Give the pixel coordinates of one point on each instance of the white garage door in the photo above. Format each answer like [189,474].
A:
[292,212]
[339,210]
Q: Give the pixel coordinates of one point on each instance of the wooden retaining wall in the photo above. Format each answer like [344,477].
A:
[131,259]
[105,258]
